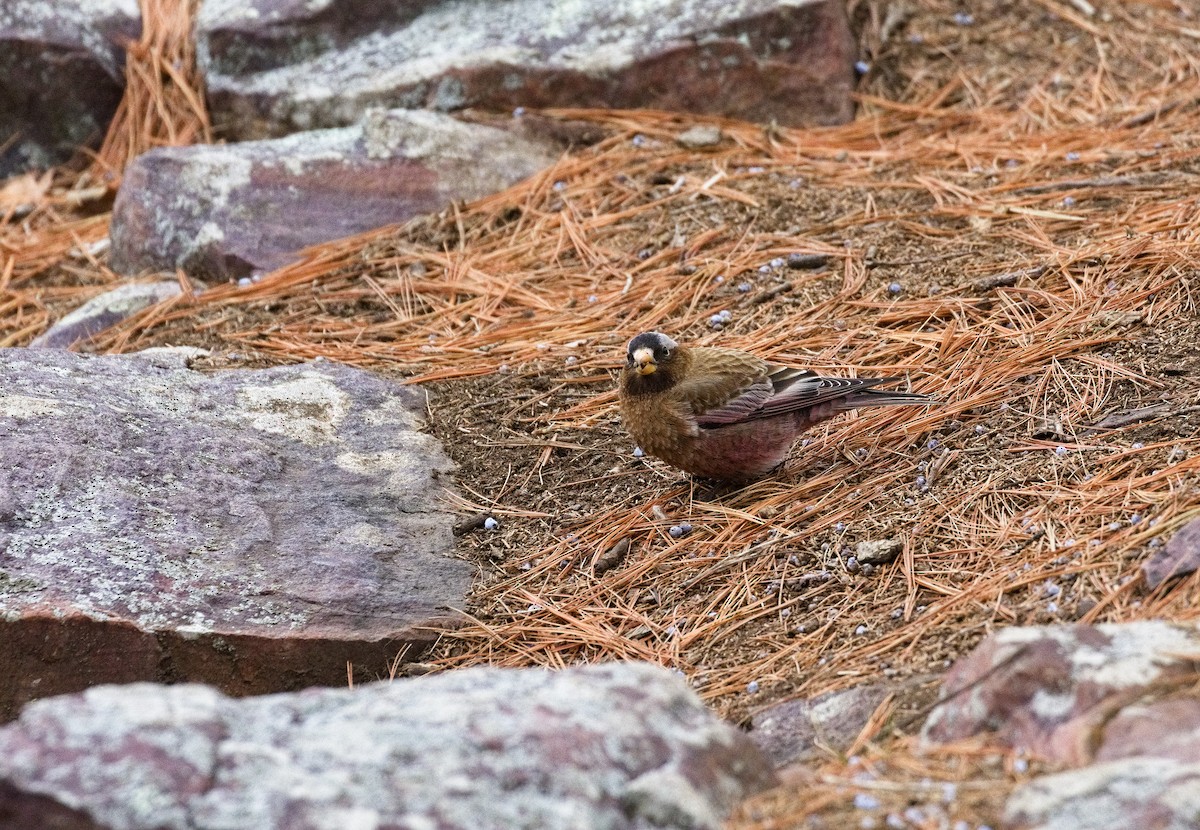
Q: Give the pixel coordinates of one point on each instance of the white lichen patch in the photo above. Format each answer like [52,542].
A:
[308,409]
[26,406]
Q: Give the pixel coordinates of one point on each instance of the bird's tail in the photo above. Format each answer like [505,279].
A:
[881,397]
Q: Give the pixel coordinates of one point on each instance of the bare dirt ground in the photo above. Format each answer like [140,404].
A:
[1010,224]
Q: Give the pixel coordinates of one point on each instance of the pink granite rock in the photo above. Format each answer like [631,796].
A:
[275,66]
[227,211]
[257,530]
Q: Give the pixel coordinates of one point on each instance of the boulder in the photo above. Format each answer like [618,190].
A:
[274,66]
[1056,691]
[227,211]
[1141,793]
[61,76]
[618,747]
[257,530]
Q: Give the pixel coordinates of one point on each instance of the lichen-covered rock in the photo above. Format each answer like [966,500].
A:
[257,530]
[274,67]
[616,747]
[61,76]
[105,311]
[802,730]
[1132,794]
[226,211]
[1054,690]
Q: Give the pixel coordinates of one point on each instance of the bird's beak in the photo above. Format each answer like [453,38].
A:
[643,362]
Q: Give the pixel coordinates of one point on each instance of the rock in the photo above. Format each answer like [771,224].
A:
[614,746]
[226,211]
[105,311]
[700,137]
[878,552]
[1164,728]
[252,529]
[795,730]
[1180,557]
[1052,690]
[61,76]
[273,67]
[1141,793]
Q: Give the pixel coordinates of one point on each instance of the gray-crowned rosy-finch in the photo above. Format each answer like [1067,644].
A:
[726,414]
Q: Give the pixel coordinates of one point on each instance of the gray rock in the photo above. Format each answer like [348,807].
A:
[878,551]
[226,211]
[795,730]
[274,67]
[699,137]
[252,529]
[613,747]
[1132,794]
[105,311]
[1180,557]
[1054,689]
[61,76]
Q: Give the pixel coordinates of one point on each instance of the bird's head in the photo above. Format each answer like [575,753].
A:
[650,352]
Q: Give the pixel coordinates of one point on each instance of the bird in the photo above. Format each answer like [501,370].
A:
[729,415]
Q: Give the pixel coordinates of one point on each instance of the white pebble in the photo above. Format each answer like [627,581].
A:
[1060,451]
[752,687]
[490,523]
[638,452]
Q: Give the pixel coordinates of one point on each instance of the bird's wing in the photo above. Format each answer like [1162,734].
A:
[783,389]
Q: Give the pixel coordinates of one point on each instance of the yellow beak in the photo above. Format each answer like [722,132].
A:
[643,362]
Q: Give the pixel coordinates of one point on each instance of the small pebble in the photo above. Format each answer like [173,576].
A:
[1051,607]
[1156,543]
[244,281]
[1068,201]
[922,482]
[1051,590]
[572,360]
[895,288]
[1020,765]
[839,527]
[1136,518]
[777,262]
[863,801]
[752,687]
[897,613]
[638,452]
[718,279]
[852,564]
[716,321]
[1060,451]
[560,186]
[963,19]
[860,630]
[592,298]
[1072,156]
[518,112]
[639,140]
[979,430]
[762,269]
[1114,526]
[490,523]
[1137,445]
[744,287]
[862,67]
[933,444]
[686,528]
[676,531]
[725,314]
